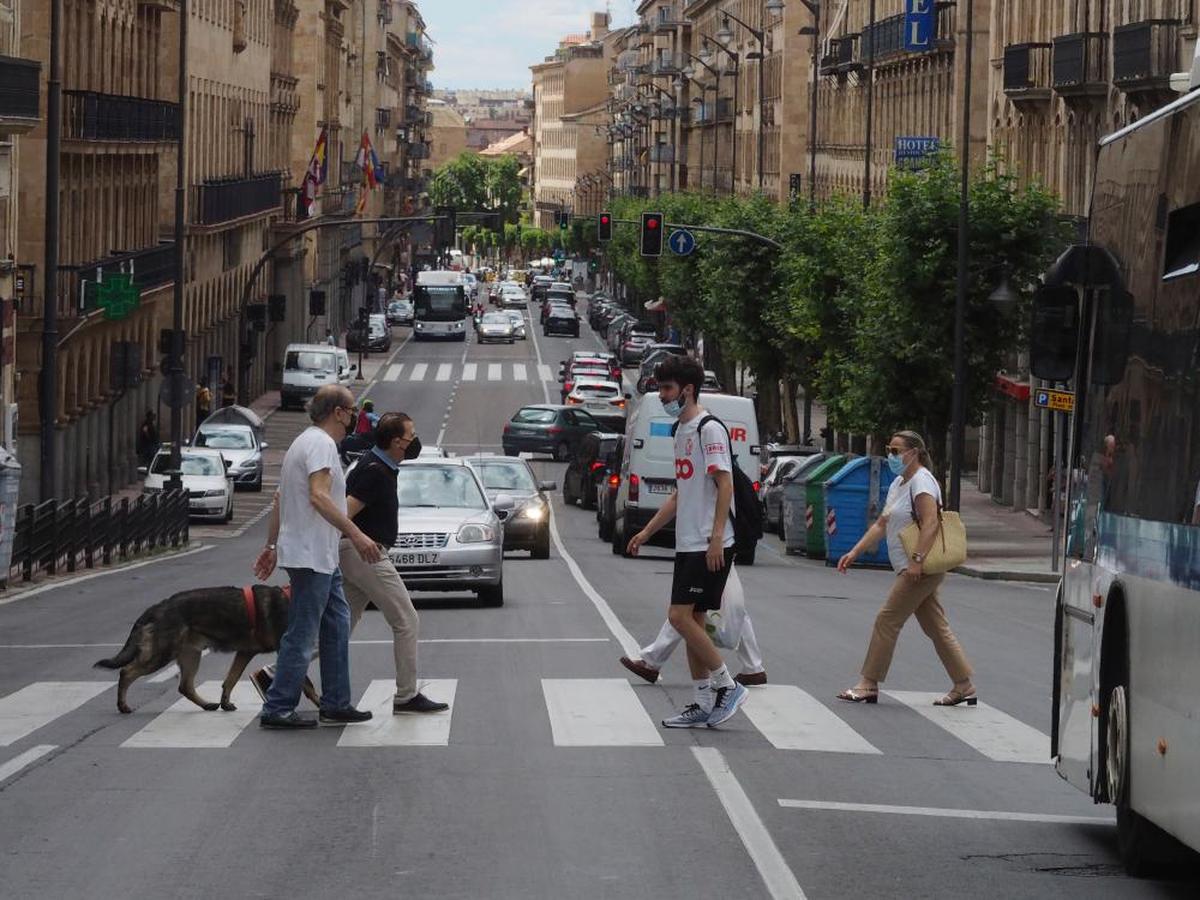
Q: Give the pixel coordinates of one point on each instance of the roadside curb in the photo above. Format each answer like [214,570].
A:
[1008,575]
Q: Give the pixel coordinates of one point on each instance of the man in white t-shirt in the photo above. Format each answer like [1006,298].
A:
[308,519]
[701,506]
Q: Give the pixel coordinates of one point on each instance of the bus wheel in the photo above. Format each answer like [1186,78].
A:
[1142,845]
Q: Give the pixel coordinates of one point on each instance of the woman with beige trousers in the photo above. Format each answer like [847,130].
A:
[914,496]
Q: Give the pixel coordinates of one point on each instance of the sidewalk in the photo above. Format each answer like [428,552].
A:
[1003,545]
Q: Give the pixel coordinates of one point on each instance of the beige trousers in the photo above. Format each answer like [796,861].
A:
[380,584]
[913,597]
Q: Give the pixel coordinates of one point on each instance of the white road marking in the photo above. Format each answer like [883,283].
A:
[418,372]
[537,349]
[792,719]
[624,638]
[388,642]
[393,372]
[389,730]
[187,726]
[781,884]
[40,703]
[597,712]
[986,814]
[469,370]
[258,517]
[519,372]
[494,372]
[17,763]
[443,372]
[545,373]
[993,733]
[170,671]
[69,582]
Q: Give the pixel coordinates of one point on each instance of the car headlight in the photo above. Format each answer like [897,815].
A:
[216,492]
[420,325]
[537,512]
[476,534]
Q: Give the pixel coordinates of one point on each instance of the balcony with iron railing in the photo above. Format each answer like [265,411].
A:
[150,268]
[20,94]
[665,64]
[222,200]
[1145,55]
[887,36]
[668,18]
[419,150]
[840,60]
[1081,65]
[1027,72]
[92,116]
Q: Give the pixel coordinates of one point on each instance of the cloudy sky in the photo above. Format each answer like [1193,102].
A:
[492,43]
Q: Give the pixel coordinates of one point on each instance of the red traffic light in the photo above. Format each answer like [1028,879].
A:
[604,220]
[651,222]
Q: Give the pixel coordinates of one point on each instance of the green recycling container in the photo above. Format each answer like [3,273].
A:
[815,504]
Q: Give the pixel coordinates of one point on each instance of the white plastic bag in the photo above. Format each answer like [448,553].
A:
[724,626]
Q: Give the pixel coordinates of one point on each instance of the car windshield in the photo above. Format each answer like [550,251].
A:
[189,465]
[590,373]
[505,476]
[309,361]
[496,318]
[534,416]
[438,486]
[225,440]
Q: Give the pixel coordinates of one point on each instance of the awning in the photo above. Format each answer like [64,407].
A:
[659,305]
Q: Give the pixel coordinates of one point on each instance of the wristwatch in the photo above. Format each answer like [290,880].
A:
[918,557]
[269,547]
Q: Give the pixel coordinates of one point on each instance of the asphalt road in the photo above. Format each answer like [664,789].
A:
[550,777]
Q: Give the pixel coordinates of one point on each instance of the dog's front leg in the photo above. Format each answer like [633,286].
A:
[236,668]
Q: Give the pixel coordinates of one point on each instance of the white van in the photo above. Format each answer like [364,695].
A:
[648,469]
[307,367]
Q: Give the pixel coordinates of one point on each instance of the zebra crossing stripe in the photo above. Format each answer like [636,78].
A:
[185,726]
[469,370]
[443,372]
[597,712]
[389,730]
[518,372]
[494,372]
[986,729]
[393,372]
[40,703]
[418,372]
[545,373]
[792,719]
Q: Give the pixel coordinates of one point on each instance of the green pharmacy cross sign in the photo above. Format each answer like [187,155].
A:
[118,296]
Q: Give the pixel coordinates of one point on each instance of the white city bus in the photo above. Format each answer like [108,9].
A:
[1118,320]
[440,306]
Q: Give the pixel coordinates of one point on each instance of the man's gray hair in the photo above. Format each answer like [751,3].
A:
[327,399]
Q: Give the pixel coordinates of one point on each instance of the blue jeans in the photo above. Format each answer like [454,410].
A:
[318,607]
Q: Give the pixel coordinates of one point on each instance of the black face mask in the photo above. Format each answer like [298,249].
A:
[413,450]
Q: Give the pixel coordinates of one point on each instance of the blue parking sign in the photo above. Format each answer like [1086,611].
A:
[919,24]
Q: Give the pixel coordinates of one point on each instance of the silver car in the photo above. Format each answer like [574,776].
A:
[518,322]
[451,537]
[496,326]
[240,447]
[527,526]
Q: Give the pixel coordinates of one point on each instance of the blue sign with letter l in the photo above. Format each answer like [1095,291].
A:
[919,24]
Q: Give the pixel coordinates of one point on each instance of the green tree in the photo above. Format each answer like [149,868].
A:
[503,184]
[461,183]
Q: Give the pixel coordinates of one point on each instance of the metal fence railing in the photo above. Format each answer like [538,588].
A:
[66,535]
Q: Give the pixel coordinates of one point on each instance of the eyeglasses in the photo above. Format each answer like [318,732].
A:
[897,451]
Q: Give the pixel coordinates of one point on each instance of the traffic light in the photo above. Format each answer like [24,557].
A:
[277,307]
[564,220]
[652,234]
[604,226]
[256,315]
[444,227]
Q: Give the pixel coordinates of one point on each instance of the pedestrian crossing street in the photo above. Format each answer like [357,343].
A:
[506,373]
[581,712]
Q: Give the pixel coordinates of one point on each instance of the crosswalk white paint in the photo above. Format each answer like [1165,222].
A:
[187,726]
[393,372]
[545,373]
[993,733]
[519,372]
[418,372]
[40,703]
[469,370]
[597,712]
[389,730]
[792,719]
[443,372]
[495,372]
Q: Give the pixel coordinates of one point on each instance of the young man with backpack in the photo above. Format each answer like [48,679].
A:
[704,509]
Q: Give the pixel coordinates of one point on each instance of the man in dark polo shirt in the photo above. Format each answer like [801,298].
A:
[373,506]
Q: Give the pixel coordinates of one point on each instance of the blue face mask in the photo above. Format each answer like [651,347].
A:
[673,408]
[896,464]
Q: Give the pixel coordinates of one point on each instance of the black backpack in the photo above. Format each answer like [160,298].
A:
[747,522]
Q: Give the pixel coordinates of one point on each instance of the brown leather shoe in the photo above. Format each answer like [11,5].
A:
[640,669]
[751,679]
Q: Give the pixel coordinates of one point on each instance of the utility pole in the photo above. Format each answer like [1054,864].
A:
[870,110]
[48,399]
[175,363]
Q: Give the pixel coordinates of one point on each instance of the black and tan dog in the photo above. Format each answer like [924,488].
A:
[246,621]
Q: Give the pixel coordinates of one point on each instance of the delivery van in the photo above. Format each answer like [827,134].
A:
[648,469]
[309,367]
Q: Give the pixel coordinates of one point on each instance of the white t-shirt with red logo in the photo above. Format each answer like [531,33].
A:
[698,457]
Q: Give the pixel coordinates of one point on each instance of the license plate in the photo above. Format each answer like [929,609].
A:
[602,406]
[659,487]
[415,559]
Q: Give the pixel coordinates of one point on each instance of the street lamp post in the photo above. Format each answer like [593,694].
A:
[814,6]
[870,136]
[690,72]
[725,36]
[669,113]
[736,81]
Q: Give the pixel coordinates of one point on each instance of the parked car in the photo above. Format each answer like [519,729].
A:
[308,367]
[451,537]
[527,525]
[518,324]
[652,355]
[379,333]
[241,448]
[618,331]
[561,320]
[496,326]
[588,468]
[602,399]
[773,451]
[781,472]
[400,312]
[204,476]
[546,428]
[633,348]
[712,384]
[606,492]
